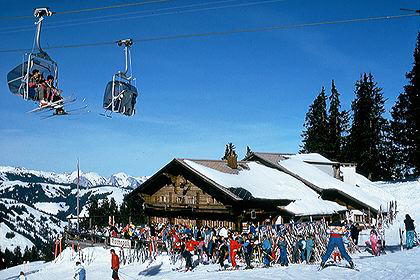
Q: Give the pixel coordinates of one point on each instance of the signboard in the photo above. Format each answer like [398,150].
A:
[119,242]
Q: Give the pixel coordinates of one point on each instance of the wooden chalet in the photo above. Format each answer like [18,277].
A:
[229,193]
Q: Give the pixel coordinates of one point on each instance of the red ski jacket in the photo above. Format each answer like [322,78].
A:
[190,245]
[115,262]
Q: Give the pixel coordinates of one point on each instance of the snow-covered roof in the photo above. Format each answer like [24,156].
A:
[364,191]
[268,183]
[311,157]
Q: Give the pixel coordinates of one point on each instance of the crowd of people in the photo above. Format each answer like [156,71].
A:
[262,245]
[266,245]
[43,90]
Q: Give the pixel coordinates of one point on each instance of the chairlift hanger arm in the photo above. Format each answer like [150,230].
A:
[127,43]
[40,13]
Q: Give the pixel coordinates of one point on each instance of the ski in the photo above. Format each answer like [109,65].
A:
[71,112]
[54,105]
[335,265]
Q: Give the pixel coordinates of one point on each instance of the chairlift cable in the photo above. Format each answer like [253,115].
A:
[161,12]
[229,32]
[92,9]
[152,13]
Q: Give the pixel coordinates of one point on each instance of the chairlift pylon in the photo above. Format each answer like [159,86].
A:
[120,93]
[18,79]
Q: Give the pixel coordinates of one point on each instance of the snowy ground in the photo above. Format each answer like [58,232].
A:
[399,265]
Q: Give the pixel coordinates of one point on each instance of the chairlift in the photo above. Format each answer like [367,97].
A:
[37,59]
[120,93]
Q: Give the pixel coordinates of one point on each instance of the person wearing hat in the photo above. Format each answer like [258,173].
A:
[79,272]
[115,264]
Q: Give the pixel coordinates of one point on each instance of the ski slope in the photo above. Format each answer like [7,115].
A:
[400,265]
[407,195]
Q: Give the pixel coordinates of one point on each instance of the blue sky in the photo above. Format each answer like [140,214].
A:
[197,94]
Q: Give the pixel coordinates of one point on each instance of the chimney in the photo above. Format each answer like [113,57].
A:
[232,161]
[230,156]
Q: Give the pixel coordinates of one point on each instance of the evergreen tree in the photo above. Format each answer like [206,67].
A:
[17,256]
[93,210]
[315,135]
[405,123]
[27,254]
[113,208]
[34,254]
[104,212]
[367,140]
[8,258]
[337,125]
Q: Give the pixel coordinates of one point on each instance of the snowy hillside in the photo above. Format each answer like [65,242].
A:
[11,239]
[407,195]
[35,204]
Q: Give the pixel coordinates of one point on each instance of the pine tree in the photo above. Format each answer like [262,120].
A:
[93,210]
[104,212]
[337,125]
[27,254]
[367,141]
[34,254]
[315,135]
[17,256]
[113,208]
[405,123]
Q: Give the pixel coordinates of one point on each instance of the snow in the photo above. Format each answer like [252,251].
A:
[269,183]
[407,195]
[365,193]
[38,221]
[124,181]
[400,265]
[17,240]
[311,157]
[87,180]
[51,207]
[111,192]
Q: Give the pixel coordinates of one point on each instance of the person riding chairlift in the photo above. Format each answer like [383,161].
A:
[53,95]
[33,84]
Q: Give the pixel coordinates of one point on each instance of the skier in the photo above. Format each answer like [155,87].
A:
[247,250]
[266,247]
[336,230]
[374,243]
[283,251]
[409,231]
[234,247]
[223,253]
[115,264]
[186,254]
[309,247]
[79,272]
[354,232]
[302,247]
[297,249]
[22,276]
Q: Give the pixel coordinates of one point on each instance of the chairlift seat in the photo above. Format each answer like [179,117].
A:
[125,96]
[18,78]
